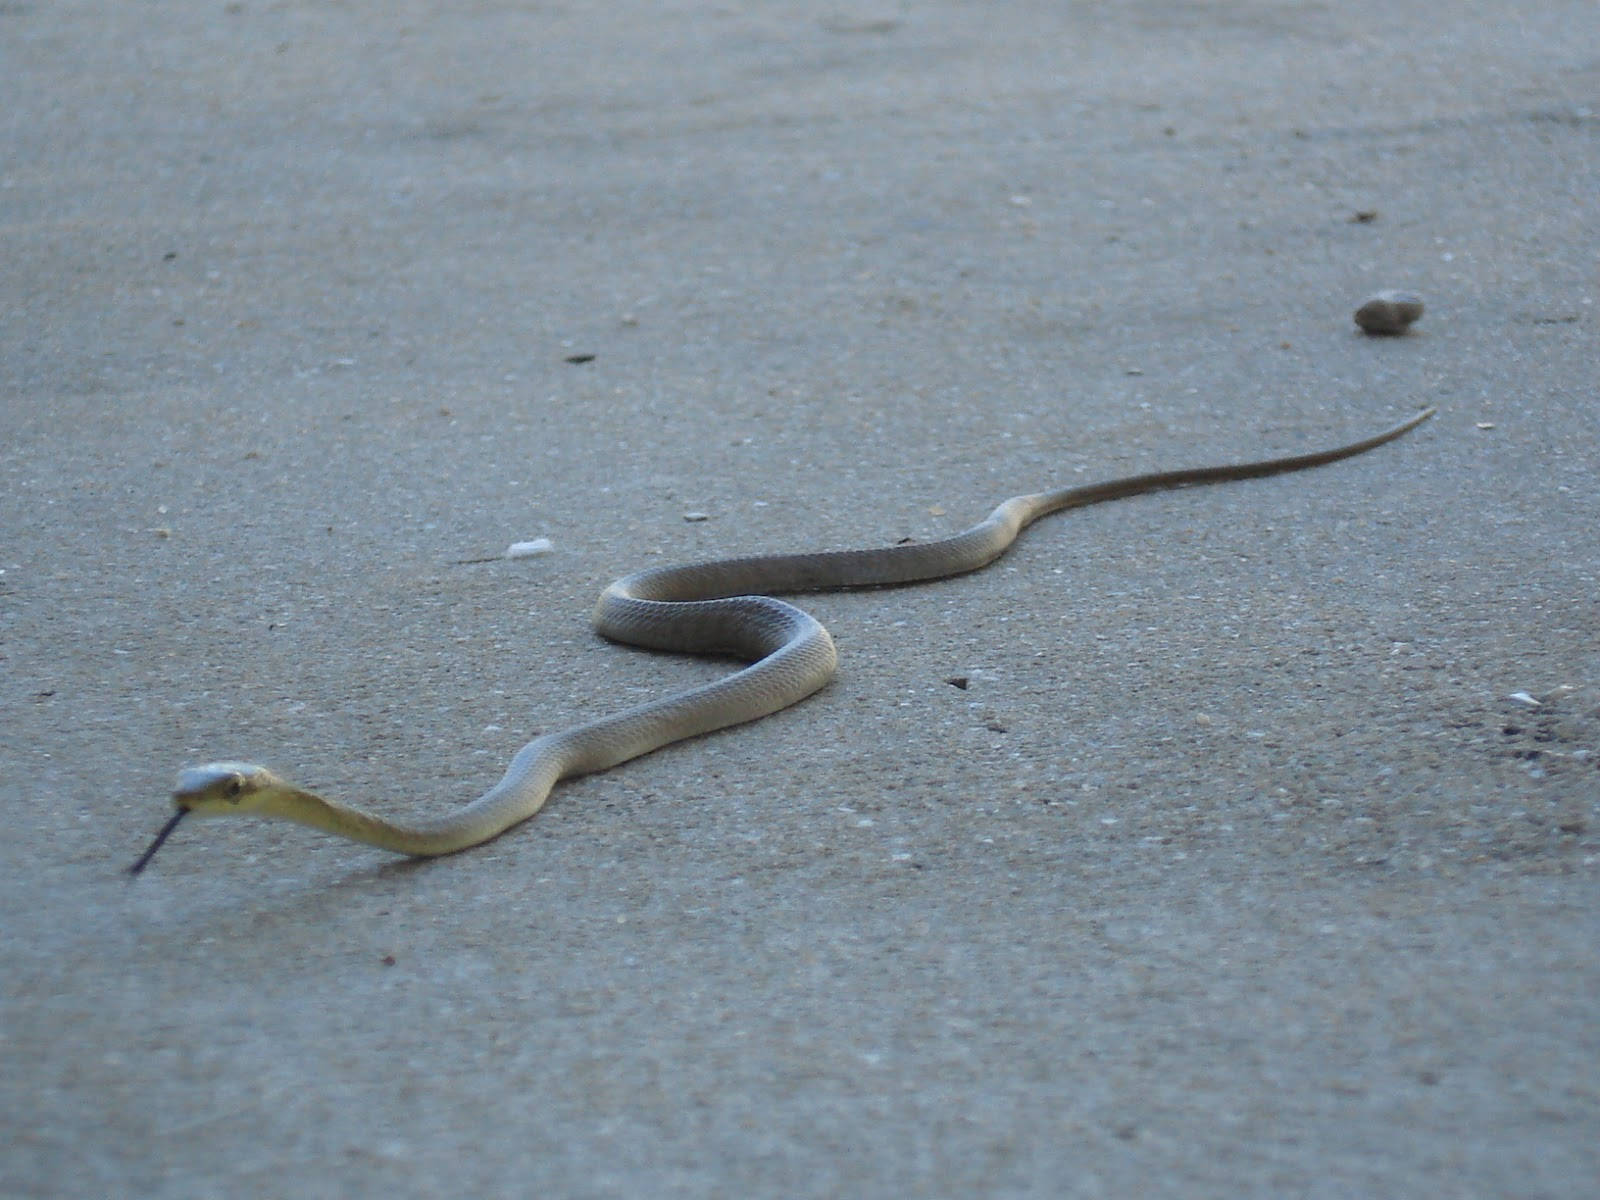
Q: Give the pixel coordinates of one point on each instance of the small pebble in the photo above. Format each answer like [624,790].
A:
[1389,312]
[696,516]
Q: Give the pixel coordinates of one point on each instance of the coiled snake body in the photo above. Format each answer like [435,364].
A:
[705,608]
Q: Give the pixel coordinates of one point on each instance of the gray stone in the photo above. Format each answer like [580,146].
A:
[1389,312]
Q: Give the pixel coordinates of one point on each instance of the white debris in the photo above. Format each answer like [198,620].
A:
[529,549]
[1524,698]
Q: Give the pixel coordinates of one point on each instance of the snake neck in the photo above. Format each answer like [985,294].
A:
[421,839]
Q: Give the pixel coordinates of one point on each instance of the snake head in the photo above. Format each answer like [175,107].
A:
[220,788]
[213,790]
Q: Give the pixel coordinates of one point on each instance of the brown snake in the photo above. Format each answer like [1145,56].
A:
[704,608]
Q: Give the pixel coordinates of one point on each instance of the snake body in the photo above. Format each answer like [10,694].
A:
[705,608]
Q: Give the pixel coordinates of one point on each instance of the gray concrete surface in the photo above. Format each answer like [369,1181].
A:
[1233,871]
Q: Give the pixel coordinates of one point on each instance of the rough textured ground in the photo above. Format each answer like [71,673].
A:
[1234,870]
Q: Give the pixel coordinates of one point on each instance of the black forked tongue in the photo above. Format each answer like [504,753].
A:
[166,832]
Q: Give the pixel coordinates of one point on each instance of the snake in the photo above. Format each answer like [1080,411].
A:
[710,608]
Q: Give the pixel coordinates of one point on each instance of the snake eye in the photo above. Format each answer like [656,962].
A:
[235,787]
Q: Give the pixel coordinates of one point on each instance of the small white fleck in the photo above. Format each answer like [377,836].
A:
[529,549]
[1523,698]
